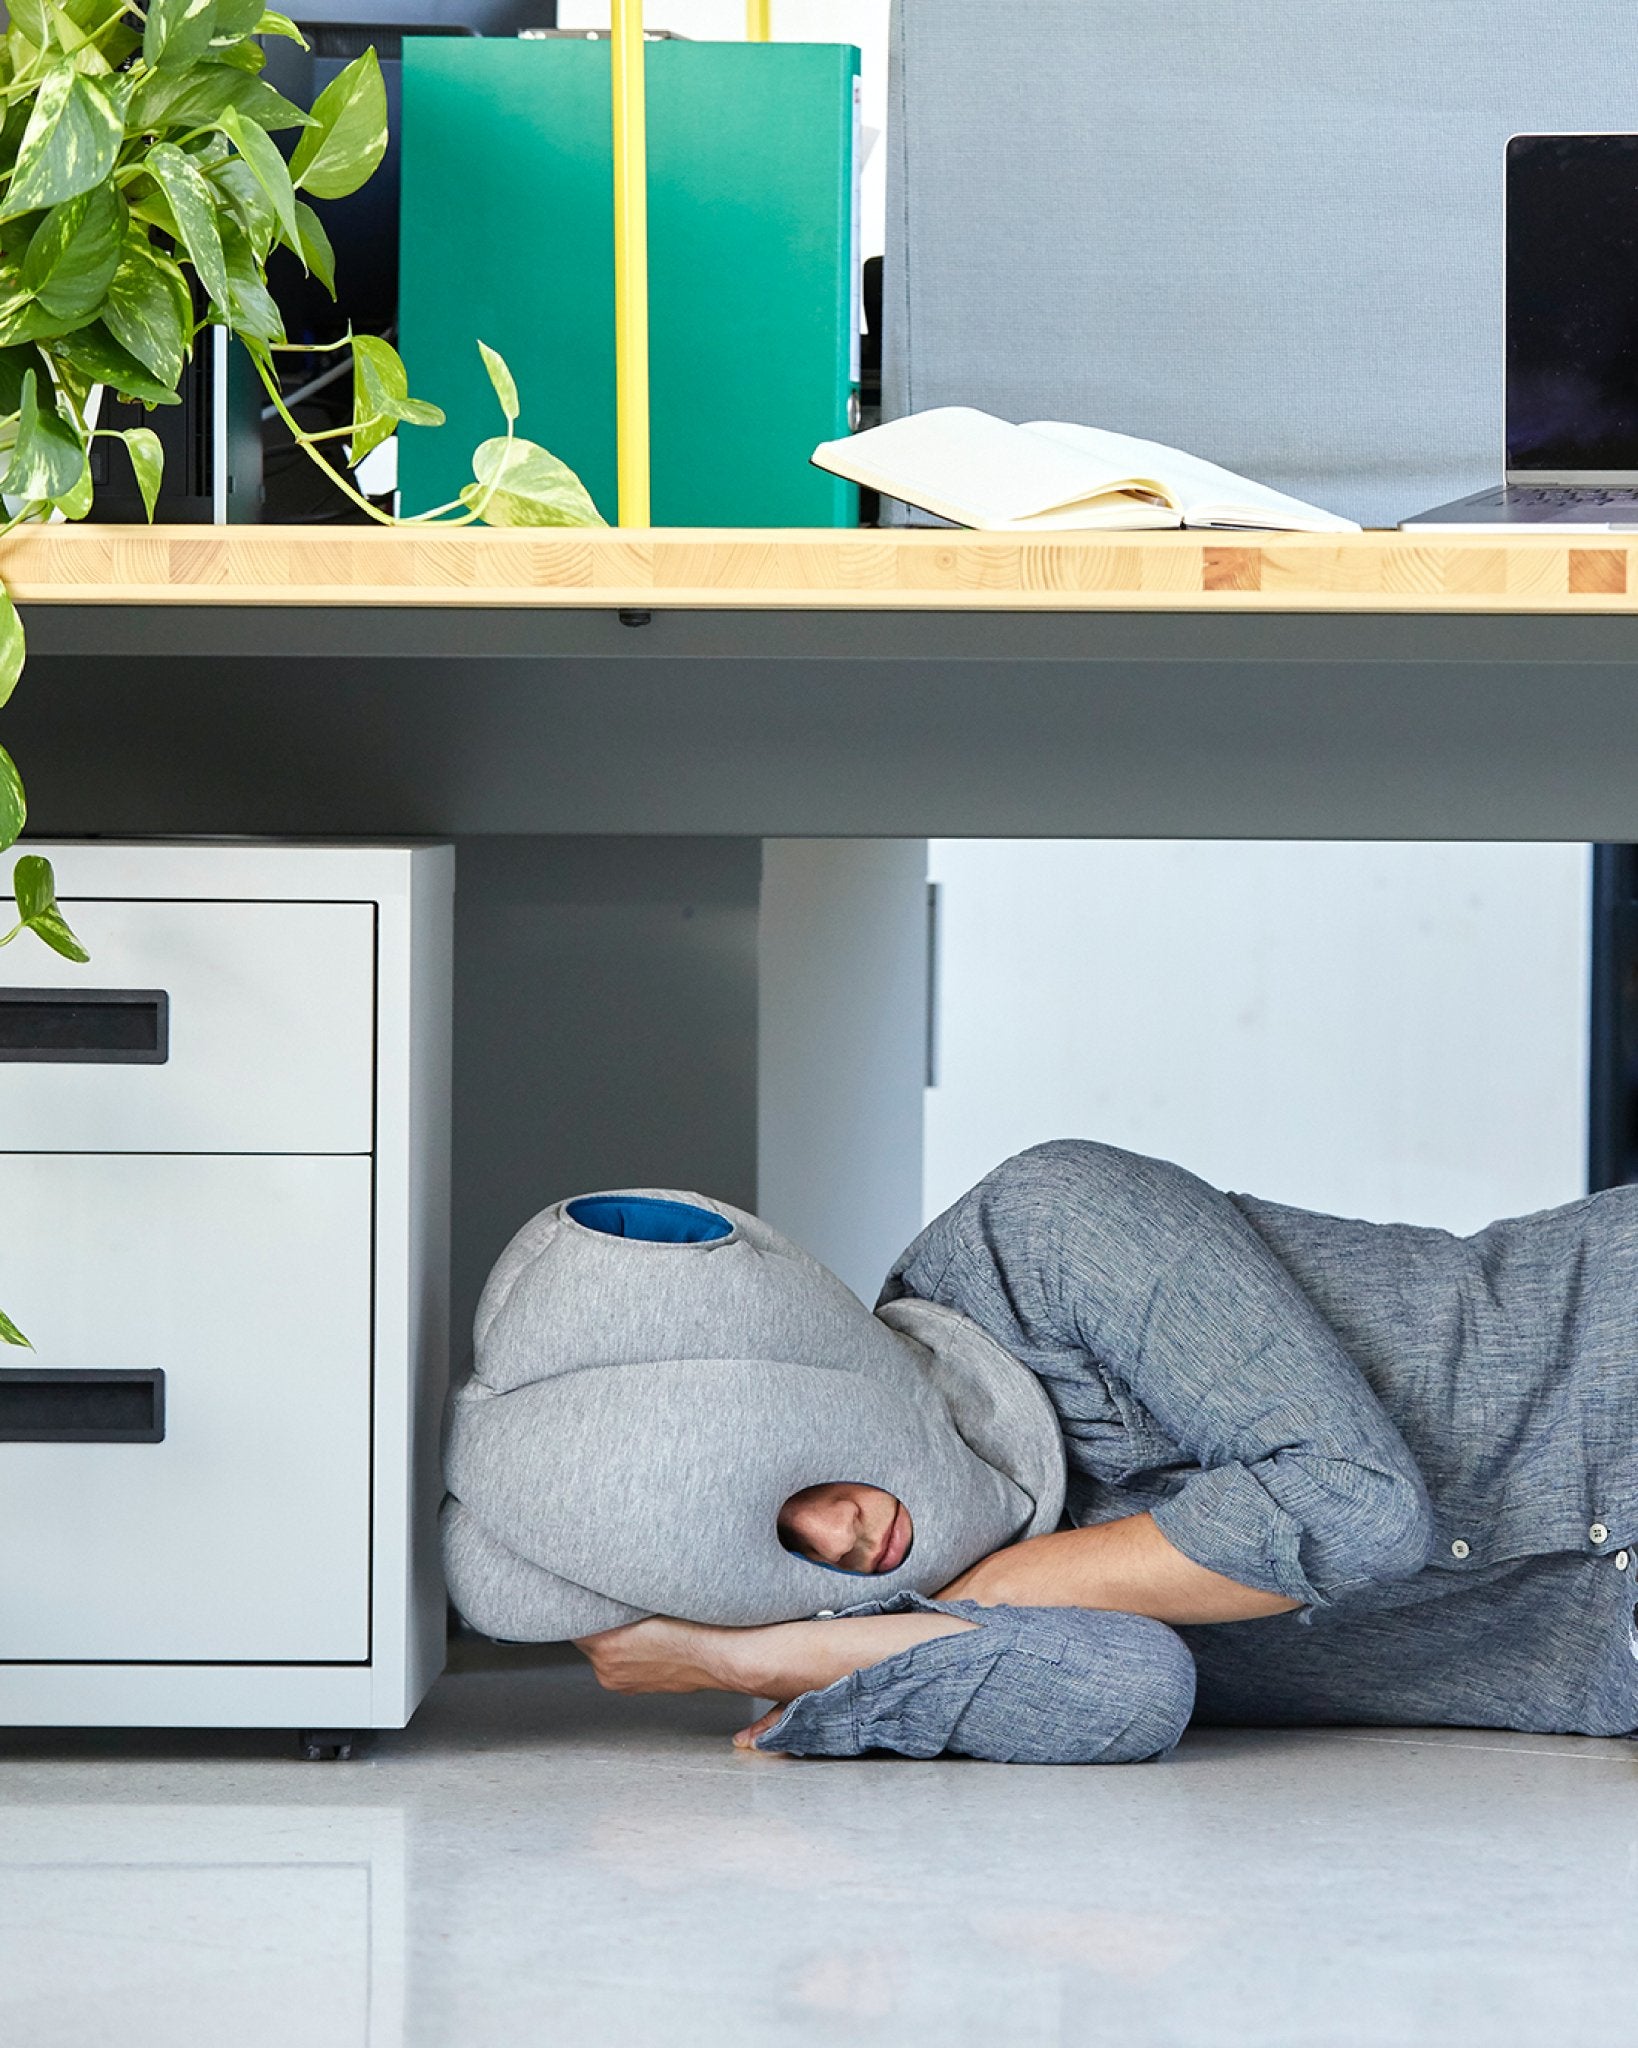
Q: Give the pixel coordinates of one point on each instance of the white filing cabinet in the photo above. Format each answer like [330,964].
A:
[224,1227]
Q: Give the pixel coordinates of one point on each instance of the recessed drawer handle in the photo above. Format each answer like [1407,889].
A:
[113,1026]
[82,1407]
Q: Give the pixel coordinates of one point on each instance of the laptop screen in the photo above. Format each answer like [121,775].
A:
[1572,304]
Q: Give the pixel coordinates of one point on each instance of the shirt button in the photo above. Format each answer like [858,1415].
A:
[1458,1548]
[1620,1560]
[1598,1533]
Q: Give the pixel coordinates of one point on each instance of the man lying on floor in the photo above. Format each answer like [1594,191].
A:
[1114,1450]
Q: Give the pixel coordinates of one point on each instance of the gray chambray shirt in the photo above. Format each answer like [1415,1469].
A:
[1431,1441]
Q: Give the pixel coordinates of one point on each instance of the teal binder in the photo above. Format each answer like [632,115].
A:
[507,236]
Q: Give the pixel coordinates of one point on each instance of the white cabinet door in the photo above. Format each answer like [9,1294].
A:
[264,1012]
[244,1534]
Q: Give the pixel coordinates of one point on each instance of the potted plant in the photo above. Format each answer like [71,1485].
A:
[141,195]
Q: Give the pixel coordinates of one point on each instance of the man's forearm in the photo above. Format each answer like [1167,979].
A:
[1127,1565]
[793,1657]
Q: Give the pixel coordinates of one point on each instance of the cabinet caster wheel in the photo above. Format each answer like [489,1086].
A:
[328,1745]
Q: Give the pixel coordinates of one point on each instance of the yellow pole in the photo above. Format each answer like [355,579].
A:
[758,20]
[630,262]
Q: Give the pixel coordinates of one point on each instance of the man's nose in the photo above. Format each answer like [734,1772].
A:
[839,1533]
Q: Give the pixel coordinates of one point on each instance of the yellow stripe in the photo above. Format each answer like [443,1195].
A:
[758,20]
[630,262]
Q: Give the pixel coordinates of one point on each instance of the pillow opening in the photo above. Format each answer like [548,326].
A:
[649,1219]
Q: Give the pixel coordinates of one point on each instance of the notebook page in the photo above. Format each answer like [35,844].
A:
[970,466]
[1201,488]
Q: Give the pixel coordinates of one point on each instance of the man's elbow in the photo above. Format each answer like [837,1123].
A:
[1390,1537]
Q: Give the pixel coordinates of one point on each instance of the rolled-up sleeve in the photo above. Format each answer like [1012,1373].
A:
[1026,1685]
[1304,1487]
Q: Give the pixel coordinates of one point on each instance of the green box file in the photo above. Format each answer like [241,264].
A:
[508,237]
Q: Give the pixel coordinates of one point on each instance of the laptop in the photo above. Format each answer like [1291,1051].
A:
[1570,342]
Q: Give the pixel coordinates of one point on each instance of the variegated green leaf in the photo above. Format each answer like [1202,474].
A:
[349,133]
[70,143]
[10,1334]
[148,461]
[500,376]
[272,24]
[72,259]
[48,456]
[13,807]
[531,487]
[195,212]
[316,251]
[233,20]
[148,312]
[12,651]
[195,98]
[177,33]
[270,170]
[249,204]
[35,887]
[251,310]
[381,400]
[97,355]
[33,18]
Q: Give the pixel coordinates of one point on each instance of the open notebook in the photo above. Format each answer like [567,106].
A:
[1050,475]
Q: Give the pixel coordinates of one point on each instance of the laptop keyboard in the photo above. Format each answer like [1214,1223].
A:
[1547,497]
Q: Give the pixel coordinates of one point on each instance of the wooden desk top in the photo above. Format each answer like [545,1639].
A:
[724,569]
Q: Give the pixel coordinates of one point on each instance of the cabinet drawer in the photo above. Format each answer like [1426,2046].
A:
[197,1027]
[243,1533]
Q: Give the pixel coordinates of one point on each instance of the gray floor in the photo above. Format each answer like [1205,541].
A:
[536,1863]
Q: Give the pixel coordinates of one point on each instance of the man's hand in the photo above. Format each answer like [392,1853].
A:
[779,1662]
[1127,1565]
[661,1655]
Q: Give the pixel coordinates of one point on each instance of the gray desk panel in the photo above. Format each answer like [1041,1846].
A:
[771,724]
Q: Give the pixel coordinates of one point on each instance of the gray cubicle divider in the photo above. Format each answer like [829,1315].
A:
[1269,233]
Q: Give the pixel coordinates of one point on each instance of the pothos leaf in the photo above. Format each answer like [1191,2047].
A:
[148,460]
[270,170]
[177,33]
[13,808]
[348,138]
[35,887]
[500,376]
[250,205]
[72,259]
[70,143]
[381,400]
[12,650]
[316,251]
[33,18]
[10,1334]
[531,487]
[48,457]
[195,212]
[149,312]
[272,24]
[96,354]
[251,310]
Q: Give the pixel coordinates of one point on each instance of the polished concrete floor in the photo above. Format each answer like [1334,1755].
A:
[534,1862]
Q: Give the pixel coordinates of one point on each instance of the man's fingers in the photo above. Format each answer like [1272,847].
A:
[747,1736]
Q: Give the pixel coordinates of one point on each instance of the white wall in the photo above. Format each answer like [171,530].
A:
[861,22]
[1390,1031]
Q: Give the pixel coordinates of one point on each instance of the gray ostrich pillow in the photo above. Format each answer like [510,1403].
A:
[655,1374]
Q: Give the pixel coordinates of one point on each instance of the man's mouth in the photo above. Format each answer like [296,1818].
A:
[895,1543]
